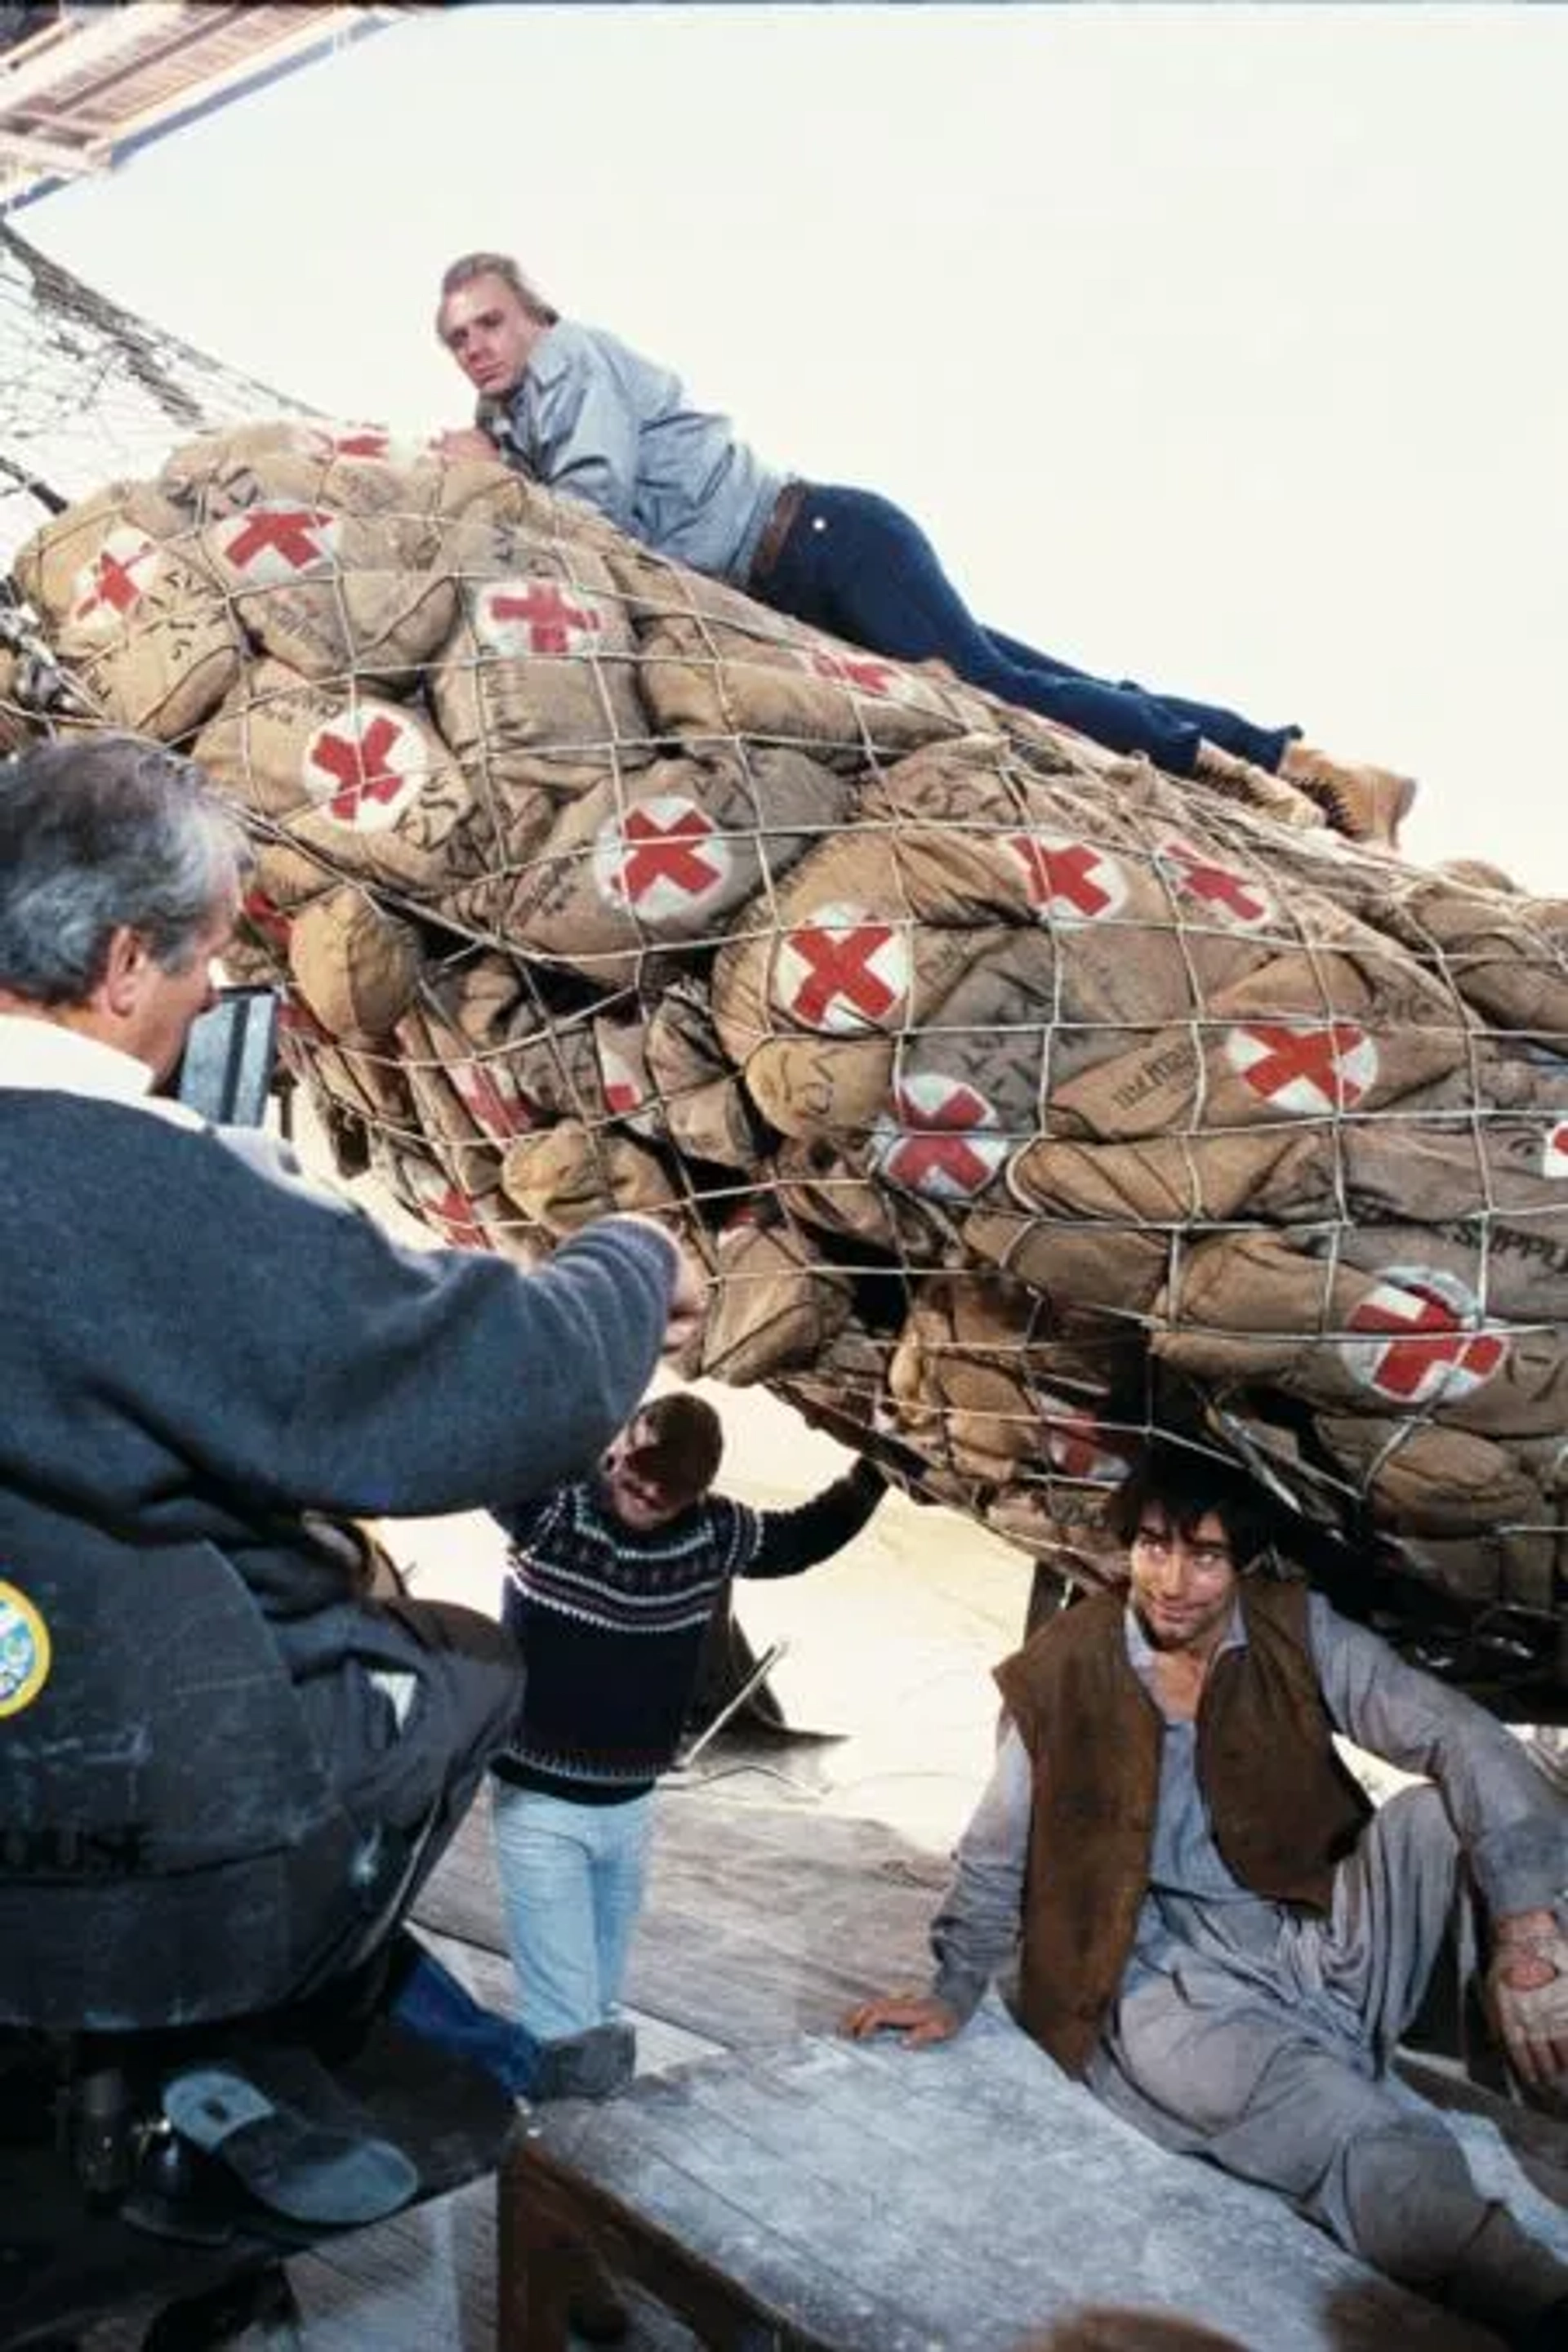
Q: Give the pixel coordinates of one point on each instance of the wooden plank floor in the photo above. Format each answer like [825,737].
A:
[969,2199]
[783,1917]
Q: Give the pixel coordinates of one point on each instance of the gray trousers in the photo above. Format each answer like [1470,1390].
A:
[1274,2092]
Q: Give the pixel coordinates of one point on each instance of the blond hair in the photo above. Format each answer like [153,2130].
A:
[469,266]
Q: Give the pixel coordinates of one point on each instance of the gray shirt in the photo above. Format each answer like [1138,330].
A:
[1196,1914]
[594,419]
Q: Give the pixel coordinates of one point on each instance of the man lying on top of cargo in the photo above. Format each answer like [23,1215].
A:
[576,409]
[1217,1935]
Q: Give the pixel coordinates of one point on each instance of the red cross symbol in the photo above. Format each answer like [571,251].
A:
[1554,1153]
[1217,885]
[368,441]
[1304,1066]
[266,918]
[358,755]
[625,1088]
[1431,1355]
[278,542]
[1068,881]
[497,1112]
[108,587]
[859,670]
[661,858]
[1077,1446]
[535,616]
[450,1208]
[948,1155]
[842,972]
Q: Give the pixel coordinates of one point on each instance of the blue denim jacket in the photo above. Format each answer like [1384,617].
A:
[593,418]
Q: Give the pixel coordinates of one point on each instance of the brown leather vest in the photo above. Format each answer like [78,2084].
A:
[1284,1808]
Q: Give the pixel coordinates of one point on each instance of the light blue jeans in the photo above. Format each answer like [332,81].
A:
[572,1880]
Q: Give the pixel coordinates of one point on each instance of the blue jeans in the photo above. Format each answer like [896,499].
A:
[430,2002]
[572,1880]
[854,563]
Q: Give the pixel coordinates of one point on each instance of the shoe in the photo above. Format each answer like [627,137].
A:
[591,2065]
[1364,804]
[282,2126]
[1255,788]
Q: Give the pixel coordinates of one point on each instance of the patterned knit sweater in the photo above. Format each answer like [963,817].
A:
[611,1621]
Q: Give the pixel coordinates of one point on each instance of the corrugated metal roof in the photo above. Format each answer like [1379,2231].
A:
[81,86]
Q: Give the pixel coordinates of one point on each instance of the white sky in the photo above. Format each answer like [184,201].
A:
[1222,346]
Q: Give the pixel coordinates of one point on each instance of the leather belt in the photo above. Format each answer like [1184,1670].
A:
[775,530]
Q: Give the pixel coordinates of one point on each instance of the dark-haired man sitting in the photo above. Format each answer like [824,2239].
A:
[612,1583]
[1217,1934]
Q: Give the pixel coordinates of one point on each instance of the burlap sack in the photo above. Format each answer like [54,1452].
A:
[1381,1171]
[707,1111]
[822,1086]
[467,1093]
[1169,1182]
[566,1177]
[664,857]
[773,1305]
[1504,953]
[1109,1270]
[1511,1567]
[459,1219]
[1141,922]
[134,611]
[836,954]
[1426,1481]
[390,488]
[1310,1037]
[193,469]
[844,1389]
[327,591]
[1255,1308]
[466,1116]
[356,966]
[959,1377]
[968,1092]
[537,690]
[359,1083]
[831,1189]
[1514,1269]
[629,1093]
[1026,1515]
[487,1016]
[365,786]
[714,662]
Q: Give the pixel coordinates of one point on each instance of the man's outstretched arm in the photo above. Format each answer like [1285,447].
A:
[978,1924]
[790,1541]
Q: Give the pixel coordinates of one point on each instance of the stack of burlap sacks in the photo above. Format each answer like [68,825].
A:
[1015,1095]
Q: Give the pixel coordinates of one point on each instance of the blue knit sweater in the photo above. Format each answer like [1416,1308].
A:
[611,1621]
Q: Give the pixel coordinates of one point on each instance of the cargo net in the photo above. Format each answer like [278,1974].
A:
[89,390]
[1020,1099]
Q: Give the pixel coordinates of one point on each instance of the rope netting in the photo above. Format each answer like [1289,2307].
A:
[1020,1099]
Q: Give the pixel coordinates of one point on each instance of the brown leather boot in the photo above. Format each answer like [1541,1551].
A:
[1364,804]
[1254,788]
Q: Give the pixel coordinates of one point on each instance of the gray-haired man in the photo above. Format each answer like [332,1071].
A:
[225,1768]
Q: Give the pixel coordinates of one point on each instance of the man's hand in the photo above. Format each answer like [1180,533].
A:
[466,441]
[919,2017]
[1527,1987]
[689,1293]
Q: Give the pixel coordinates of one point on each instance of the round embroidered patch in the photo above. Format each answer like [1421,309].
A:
[24,1651]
